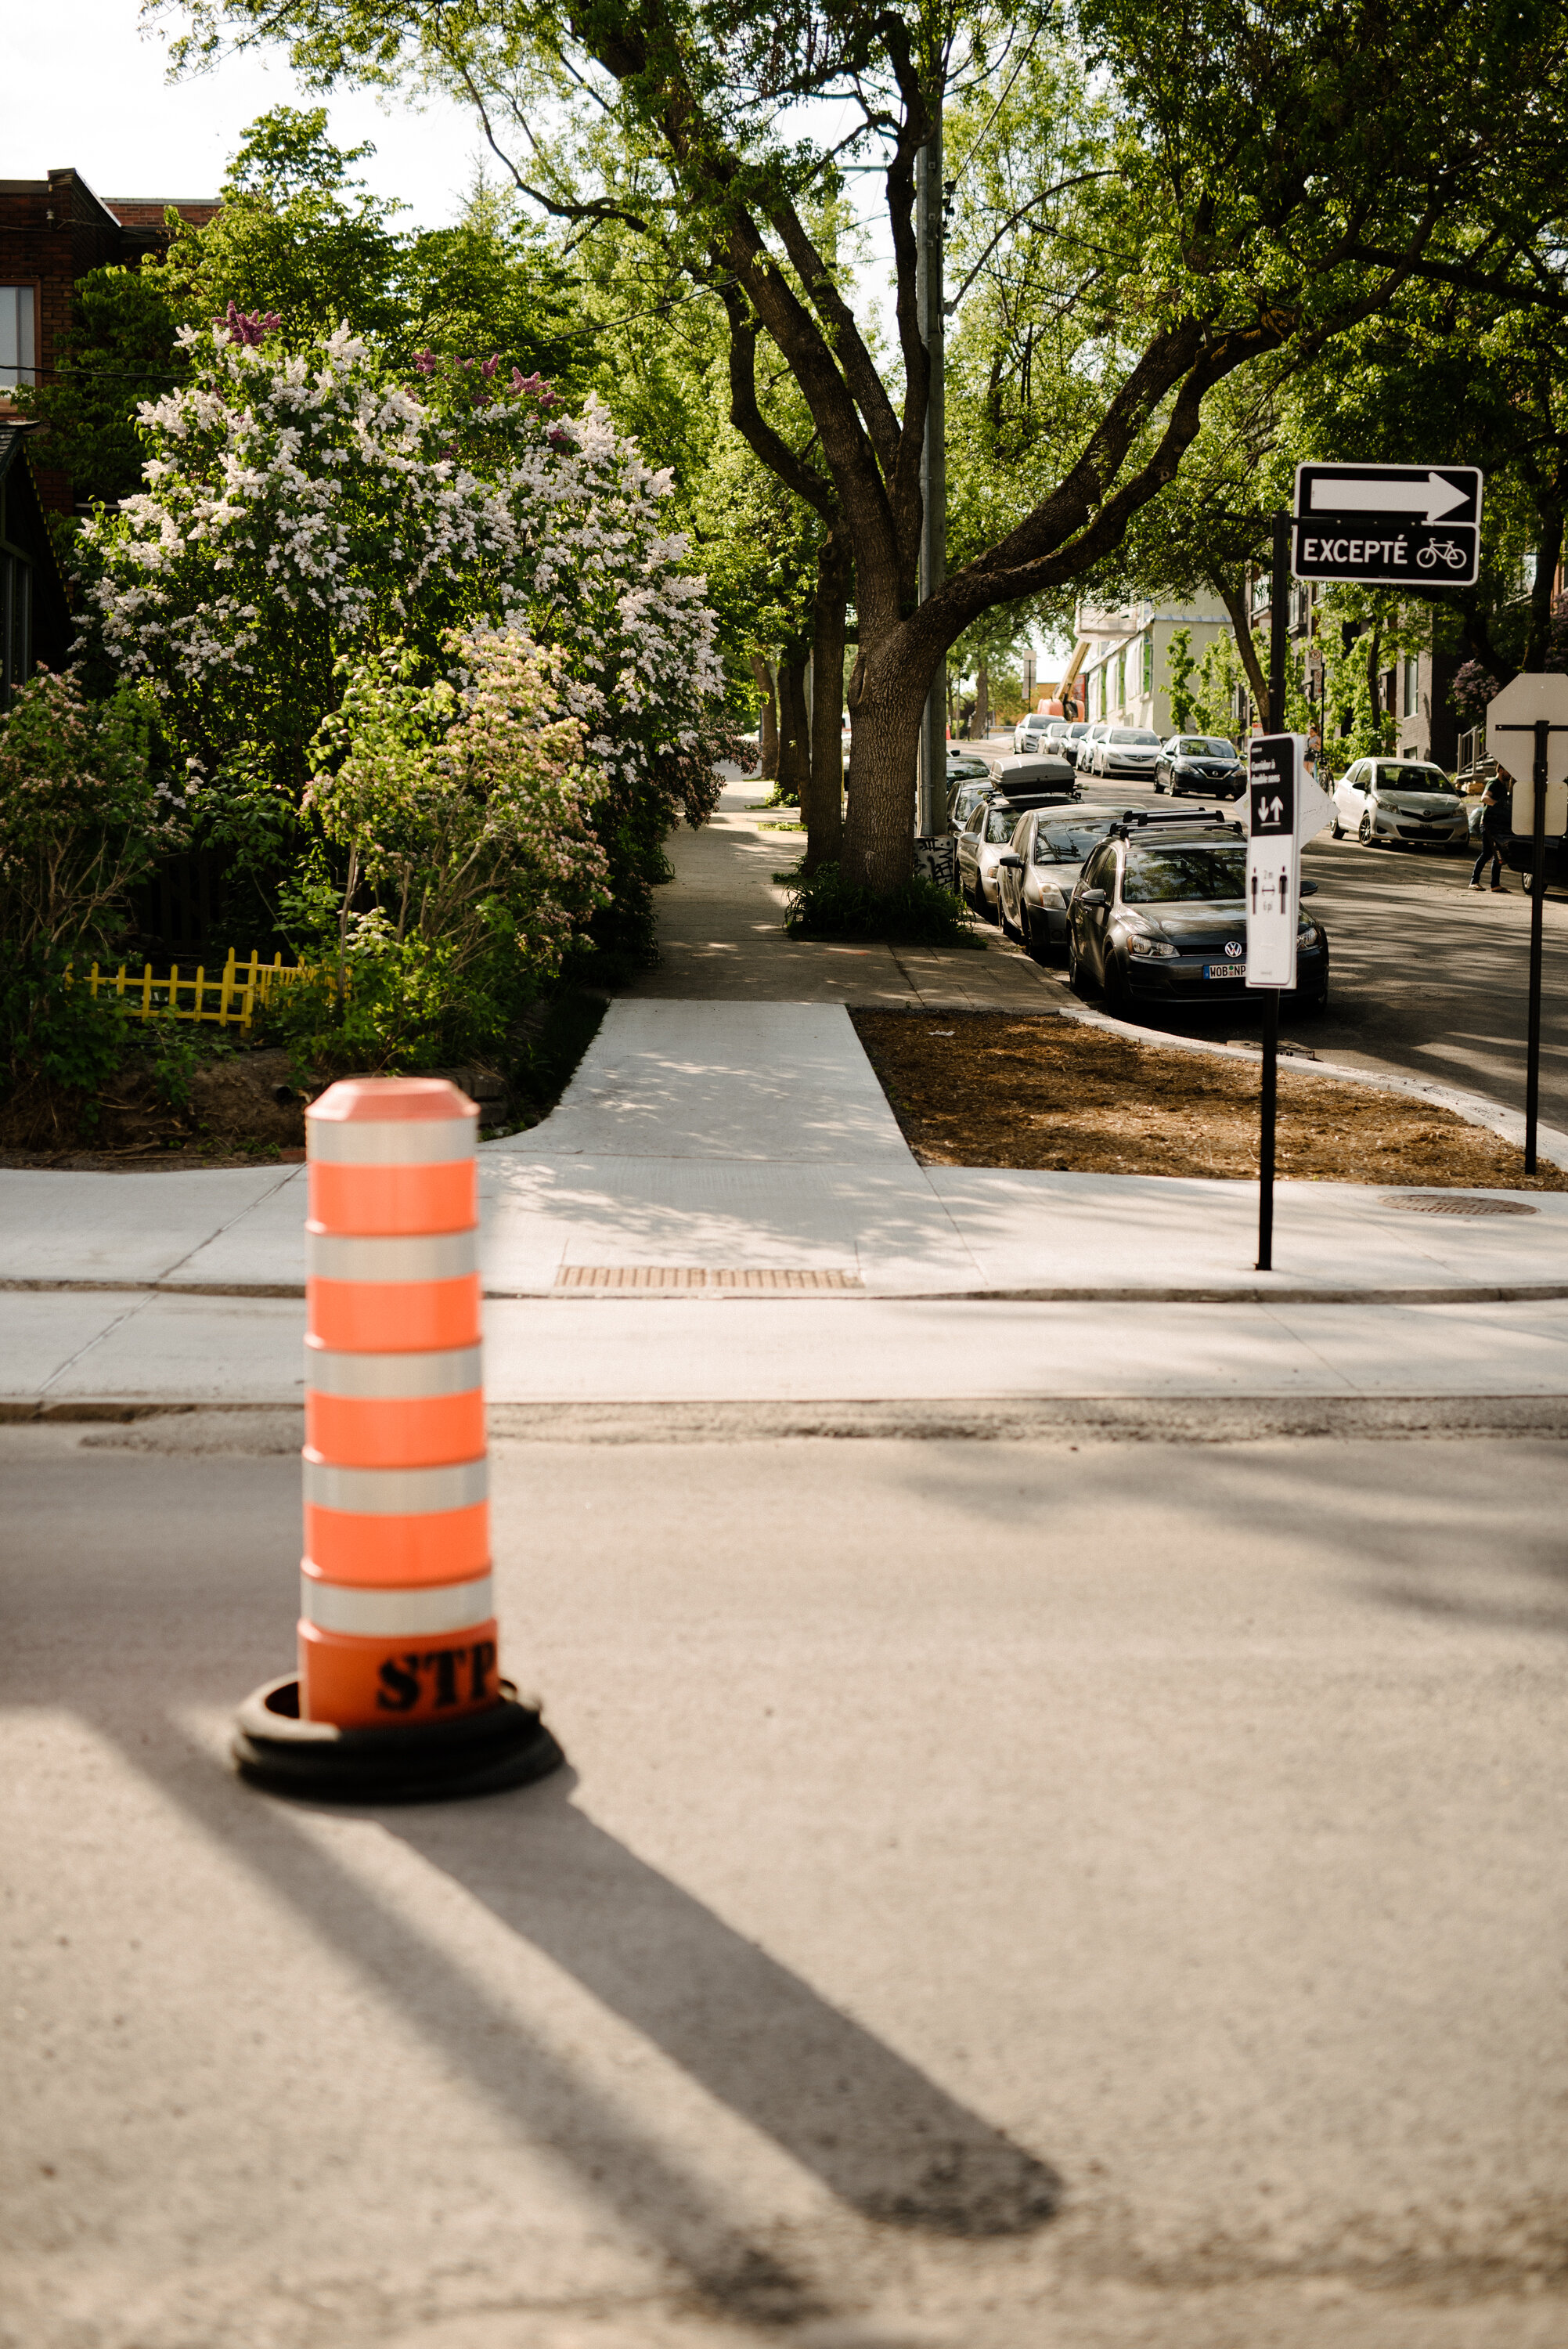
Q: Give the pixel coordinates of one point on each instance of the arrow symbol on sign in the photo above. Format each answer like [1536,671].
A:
[1440,497]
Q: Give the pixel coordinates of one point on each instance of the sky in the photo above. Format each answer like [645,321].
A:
[86,86]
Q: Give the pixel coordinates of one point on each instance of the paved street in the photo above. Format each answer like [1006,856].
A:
[1007,1896]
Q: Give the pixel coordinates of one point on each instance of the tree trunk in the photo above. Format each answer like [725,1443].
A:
[982,725]
[1234,600]
[822,802]
[1548,554]
[887,700]
[794,778]
[768,724]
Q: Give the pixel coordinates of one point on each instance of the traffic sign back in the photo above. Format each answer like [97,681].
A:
[1510,721]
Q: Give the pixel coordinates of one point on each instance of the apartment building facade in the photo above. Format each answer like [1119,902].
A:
[53,232]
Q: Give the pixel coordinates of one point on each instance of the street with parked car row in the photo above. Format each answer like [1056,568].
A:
[1418,974]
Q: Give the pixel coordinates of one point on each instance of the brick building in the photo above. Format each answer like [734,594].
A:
[53,232]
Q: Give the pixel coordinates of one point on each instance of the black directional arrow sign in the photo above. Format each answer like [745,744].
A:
[1392,525]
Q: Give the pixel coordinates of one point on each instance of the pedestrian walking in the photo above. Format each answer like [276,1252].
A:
[1495,825]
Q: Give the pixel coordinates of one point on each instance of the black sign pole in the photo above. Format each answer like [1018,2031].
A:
[1275,722]
[1537,905]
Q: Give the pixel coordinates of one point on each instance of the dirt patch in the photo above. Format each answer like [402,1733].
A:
[242,1109]
[987,1088]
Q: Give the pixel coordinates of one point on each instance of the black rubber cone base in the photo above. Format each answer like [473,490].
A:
[479,1754]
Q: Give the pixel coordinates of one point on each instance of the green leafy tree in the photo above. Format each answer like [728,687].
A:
[1263,188]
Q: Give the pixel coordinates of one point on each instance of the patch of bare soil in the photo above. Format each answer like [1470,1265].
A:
[987,1088]
[243,1108]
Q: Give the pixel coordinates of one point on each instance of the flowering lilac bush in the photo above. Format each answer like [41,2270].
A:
[303,509]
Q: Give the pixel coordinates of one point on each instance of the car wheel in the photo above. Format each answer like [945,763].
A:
[1336,829]
[1078,977]
[1364,832]
[1117,992]
[1003,924]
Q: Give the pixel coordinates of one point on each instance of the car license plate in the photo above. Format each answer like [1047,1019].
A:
[1225,970]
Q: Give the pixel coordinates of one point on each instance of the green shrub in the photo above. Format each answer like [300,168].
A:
[827,905]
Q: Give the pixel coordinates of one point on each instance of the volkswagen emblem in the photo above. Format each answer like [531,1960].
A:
[1235,946]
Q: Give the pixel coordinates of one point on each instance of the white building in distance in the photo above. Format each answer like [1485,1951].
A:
[1122,657]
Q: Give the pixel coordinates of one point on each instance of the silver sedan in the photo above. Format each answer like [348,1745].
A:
[987,831]
[1037,876]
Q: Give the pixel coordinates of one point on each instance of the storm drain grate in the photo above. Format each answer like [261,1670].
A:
[700,1276]
[1454,1203]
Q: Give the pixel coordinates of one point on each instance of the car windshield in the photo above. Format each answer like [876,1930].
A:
[1078,727]
[1135,734]
[1066,843]
[1203,746]
[1001,824]
[1408,777]
[1157,875]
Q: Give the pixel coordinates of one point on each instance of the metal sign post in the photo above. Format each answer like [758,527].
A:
[1273,867]
[1535,705]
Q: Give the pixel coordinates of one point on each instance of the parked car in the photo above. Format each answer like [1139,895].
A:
[1029,732]
[1071,736]
[1088,743]
[965,767]
[1129,752]
[987,836]
[1033,779]
[966,798]
[1403,801]
[1036,877]
[1206,763]
[1159,917]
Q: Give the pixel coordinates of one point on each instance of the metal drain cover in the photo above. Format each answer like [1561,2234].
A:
[1454,1203]
[734,1282]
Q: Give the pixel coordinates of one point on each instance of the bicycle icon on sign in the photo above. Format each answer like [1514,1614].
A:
[1442,549]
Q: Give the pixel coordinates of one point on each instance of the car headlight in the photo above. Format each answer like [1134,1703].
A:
[1051,897]
[1308,934]
[1147,947]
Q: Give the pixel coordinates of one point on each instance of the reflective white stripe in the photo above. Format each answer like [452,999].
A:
[374,1614]
[388,1378]
[395,1491]
[431,1255]
[377,1142]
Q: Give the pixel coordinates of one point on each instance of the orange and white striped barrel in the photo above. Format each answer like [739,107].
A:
[396,1622]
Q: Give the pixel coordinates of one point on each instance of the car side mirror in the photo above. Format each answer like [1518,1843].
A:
[1015,864]
[1308,889]
[1095,898]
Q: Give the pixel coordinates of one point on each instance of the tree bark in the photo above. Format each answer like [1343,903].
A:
[1234,599]
[1548,554]
[794,778]
[822,802]
[768,724]
[981,699]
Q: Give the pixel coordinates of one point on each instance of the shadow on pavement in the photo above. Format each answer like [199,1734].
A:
[876,2131]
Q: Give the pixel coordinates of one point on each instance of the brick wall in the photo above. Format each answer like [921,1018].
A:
[54,231]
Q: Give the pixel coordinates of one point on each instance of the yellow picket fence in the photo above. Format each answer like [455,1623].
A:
[230,1001]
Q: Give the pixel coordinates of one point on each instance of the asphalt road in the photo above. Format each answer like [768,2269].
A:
[1071,1894]
[1425,976]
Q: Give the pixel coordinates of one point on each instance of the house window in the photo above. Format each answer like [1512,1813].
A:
[1149,662]
[1410,699]
[19,355]
[1121,680]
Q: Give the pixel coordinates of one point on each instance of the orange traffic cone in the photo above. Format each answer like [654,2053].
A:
[397,1695]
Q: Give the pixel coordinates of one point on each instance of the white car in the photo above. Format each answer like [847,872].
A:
[1400,803]
[985,840]
[1131,752]
[1090,741]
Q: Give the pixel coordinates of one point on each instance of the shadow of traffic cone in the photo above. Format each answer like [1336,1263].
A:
[399,1696]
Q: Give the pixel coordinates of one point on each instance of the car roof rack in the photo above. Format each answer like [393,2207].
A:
[1135,820]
